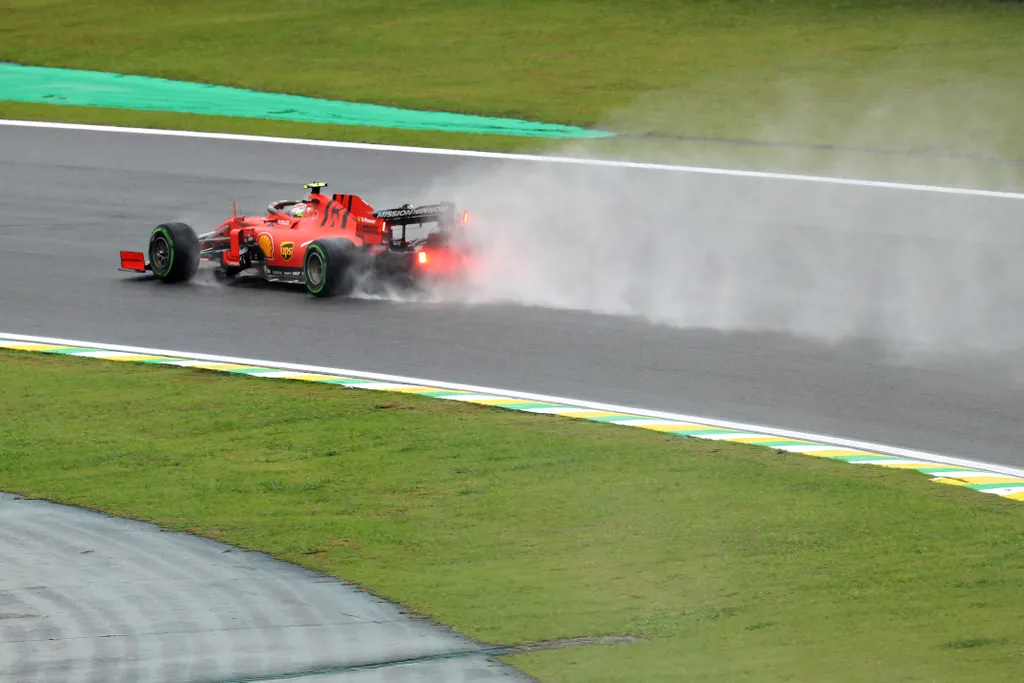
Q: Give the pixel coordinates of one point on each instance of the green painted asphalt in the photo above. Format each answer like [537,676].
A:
[44,85]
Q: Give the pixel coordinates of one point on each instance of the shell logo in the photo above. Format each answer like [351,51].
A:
[266,243]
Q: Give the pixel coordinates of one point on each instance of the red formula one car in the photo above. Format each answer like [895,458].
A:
[324,242]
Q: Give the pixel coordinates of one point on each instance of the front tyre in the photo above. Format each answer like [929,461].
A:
[327,268]
[174,252]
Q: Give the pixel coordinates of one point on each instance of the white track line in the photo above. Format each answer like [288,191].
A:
[516,157]
[539,398]
[849,443]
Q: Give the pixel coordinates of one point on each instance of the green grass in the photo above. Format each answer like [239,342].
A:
[939,75]
[285,129]
[734,563]
[953,172]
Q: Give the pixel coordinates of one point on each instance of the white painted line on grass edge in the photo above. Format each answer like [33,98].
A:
[611,163]
[401,381]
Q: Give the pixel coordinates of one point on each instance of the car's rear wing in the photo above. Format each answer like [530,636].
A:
[443,213]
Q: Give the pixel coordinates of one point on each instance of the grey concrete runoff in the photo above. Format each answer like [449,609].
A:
[90,598]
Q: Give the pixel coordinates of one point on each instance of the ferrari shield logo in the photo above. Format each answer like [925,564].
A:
[287,249]
[266,243]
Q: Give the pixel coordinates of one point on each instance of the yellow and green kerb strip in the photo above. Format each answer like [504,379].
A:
[979,479]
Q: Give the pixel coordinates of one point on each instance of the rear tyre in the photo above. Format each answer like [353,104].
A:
[174,252]
[327,268]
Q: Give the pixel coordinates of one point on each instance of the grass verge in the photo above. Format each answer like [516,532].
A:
[952,171]
[919,75]
[285,129]
[733,562]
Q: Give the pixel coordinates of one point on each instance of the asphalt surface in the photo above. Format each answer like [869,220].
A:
[88,598]
[73,199]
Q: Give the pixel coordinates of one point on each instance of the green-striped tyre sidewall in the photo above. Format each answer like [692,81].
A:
[166,234]
[324,266]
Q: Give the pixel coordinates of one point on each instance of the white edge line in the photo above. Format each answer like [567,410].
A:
[540,398]
[404,149]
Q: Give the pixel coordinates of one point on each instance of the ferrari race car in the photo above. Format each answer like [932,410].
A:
[326,243]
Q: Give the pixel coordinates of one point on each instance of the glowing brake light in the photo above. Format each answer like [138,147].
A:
[421,257]
[465,217]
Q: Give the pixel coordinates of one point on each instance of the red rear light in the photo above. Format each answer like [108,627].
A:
[465,217]
[422,257]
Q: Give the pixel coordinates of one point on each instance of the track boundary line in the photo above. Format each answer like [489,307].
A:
[508,156]
[1007,482]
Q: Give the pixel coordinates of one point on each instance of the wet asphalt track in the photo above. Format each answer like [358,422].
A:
[70,200]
